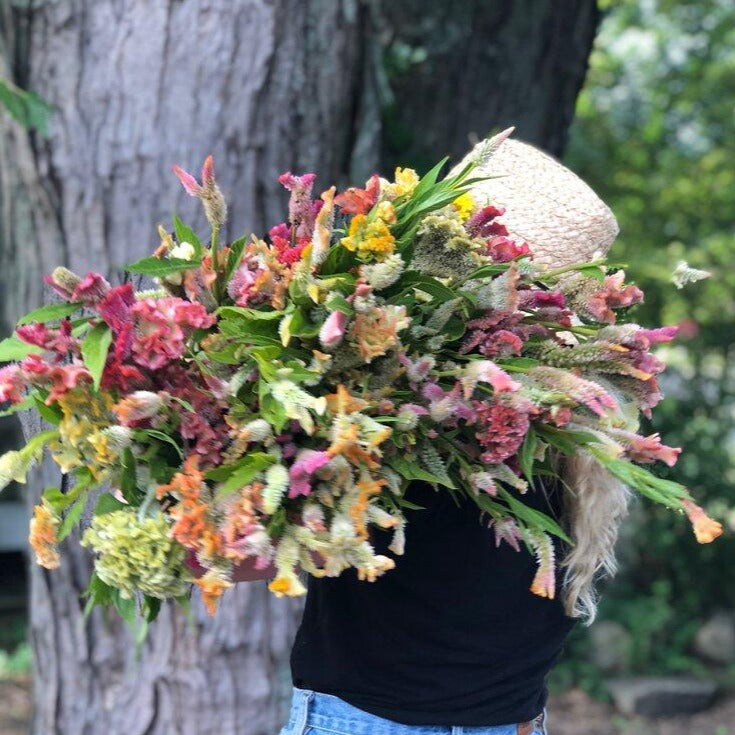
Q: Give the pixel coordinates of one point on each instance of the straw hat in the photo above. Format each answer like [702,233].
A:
[553,210]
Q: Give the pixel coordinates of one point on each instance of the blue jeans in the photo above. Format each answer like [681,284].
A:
[315,713]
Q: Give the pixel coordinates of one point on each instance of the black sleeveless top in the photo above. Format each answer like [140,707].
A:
[451,636]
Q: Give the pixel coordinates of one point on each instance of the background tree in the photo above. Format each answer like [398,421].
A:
[655,136]
[265,87]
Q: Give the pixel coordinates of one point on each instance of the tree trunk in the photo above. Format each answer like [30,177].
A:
[136,86]
[462,69]
[266,86]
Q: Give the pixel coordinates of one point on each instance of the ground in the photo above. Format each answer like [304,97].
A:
[573,713]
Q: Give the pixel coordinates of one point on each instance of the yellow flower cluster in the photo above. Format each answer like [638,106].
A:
[82,440]
[464,205]
[370,236]
[406,180]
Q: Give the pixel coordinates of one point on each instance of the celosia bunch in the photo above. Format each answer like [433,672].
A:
[269,400]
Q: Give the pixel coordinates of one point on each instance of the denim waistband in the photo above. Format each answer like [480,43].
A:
[330,713]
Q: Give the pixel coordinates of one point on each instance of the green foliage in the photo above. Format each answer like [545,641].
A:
[25,107]
[655,137]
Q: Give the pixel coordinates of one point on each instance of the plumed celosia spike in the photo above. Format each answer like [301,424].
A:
[190,184]
[486,371]
[705,528]
[506,529]
[208,172]
[43,536]
[276,484]
[544,583]
[333,329]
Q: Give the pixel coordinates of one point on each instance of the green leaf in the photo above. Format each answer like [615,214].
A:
[107,503]
[128,478]
[150,608]
[97,593]
[244,472]
[527,454]
[127,607]
[339,260]
[52,414]
[337,302]
[57,500]
[161,436]
[94,351]
[27,108]
[184,233]
[152,266]
[412,470]
[531,516]
[250,314]
[14,348]
[72,517]
[234,256]
[49,312]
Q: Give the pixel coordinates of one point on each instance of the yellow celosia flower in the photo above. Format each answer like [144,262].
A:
[465,205]
[705,528]
[406,180]
[369,239]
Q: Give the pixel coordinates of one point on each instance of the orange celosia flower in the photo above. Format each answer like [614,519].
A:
[346,443]
[212,587]
[375,331]
[367,487]
[343,402]
[705,528]
[185,484]
[42,537]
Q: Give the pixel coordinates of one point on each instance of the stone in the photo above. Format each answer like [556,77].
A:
[715,640]
[610,647]
[661,696]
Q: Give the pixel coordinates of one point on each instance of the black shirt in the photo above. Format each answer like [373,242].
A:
[451,636]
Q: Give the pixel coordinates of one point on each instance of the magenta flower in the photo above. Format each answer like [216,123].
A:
[333,329]
[307,463]
[114,306]
[482,223]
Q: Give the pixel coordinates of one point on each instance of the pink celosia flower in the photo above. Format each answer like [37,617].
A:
[161,328]
[500,430]
[585,392]
[447,407]
[613,295]
[359,201]
[12,384]
[215,207]
[288,253]
[57,379]
[506,529]
[306,464]
[301,210]
[417,371]
[58,340]
[646,448]
[333,329]
[486,371]
[91,289]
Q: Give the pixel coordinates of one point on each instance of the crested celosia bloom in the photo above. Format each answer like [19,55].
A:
[500,430]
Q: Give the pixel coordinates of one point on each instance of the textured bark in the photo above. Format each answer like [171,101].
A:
[488,64]
[264,85]
[136,86]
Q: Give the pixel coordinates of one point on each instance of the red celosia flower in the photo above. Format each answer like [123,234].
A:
[58,340]
[502,249]
[482,223]
[359,201]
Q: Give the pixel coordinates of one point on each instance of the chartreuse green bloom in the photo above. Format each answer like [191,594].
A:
[137,555]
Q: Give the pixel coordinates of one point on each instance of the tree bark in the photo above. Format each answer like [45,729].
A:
[266,86]
[463,69]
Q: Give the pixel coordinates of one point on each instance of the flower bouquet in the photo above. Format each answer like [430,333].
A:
[268,400]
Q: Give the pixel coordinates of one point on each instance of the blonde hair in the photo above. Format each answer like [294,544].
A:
[595,504]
